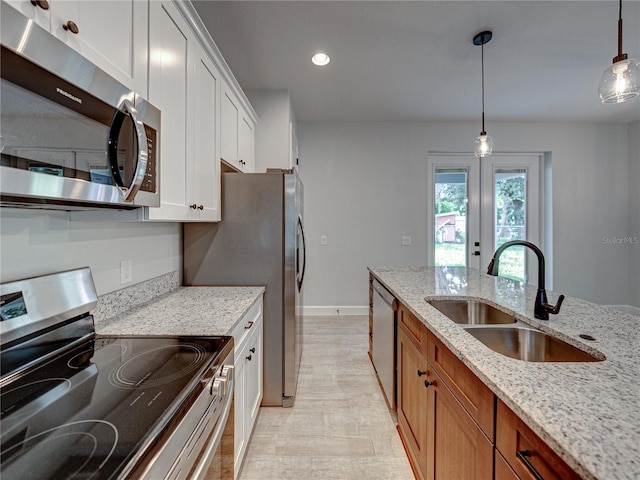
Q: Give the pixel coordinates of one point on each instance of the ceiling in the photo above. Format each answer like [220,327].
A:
[415,60]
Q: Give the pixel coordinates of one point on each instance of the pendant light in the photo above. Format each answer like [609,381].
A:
[621,81]
[484,143]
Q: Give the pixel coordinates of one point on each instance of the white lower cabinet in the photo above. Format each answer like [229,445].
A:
[248,358]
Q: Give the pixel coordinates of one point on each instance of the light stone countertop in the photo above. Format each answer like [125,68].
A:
[589,413]
[205,311]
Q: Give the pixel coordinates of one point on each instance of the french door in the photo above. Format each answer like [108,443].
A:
[477,204]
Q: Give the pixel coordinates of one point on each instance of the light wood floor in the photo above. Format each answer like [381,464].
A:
[340,427]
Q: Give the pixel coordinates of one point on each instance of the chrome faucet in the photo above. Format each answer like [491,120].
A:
[542,309]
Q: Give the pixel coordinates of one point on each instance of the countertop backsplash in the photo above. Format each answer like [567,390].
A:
[121,301]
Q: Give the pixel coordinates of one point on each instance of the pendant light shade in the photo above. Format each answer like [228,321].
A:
[484,143]
[621,81]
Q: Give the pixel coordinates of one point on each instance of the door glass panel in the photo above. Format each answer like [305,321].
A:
[451,200]
[510,220]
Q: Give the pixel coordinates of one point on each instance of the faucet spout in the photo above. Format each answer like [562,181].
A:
[542,308]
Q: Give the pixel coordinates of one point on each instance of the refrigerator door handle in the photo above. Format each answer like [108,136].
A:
[304,255]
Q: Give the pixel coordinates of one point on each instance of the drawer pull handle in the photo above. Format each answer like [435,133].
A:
[71,26]
[43,4]
[248,326]
[249,357]
[522,455]
[427,383]
[252,350]
[420,373]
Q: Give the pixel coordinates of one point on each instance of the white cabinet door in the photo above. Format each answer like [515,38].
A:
[245,144]
[253,380]
[248,373]
[203,168]
[230,115]
[168,90]
[112,35]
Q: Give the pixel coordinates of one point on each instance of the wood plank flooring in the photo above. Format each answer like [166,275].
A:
[340,427]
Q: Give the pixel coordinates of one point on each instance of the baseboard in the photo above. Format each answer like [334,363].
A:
[627,309]
[335,310]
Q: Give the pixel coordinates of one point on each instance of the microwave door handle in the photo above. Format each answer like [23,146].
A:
[127,108]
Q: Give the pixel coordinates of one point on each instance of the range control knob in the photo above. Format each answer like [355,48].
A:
[219,386]
[227,372]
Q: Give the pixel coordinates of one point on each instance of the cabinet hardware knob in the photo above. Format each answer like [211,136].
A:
[420,373]
[200,207]
[252,350]
[427,383]
[43,4]
[248,325]
[249,357]
[71,26]
[193,206]
[522,455]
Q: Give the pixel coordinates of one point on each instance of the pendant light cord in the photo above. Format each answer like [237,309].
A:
[620,31]
[482,56]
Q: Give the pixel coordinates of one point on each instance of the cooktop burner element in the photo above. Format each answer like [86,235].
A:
[141,371]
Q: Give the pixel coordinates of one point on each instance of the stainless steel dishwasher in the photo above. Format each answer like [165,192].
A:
[383,347]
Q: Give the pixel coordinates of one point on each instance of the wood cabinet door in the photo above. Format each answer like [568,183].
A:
[456,446]
[412,402]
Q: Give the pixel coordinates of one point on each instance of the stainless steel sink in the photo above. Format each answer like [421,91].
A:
[471,312]
[530,345]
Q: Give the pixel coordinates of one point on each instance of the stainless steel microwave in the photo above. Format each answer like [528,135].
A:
[71,136]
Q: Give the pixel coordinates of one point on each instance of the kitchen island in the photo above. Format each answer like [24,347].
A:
[586,412]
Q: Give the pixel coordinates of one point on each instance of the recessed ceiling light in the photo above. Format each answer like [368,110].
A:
[320,59]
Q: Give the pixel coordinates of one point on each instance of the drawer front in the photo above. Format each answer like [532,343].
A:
[414,328]
[503,470]
[474,395]
[525,452]
[245,326]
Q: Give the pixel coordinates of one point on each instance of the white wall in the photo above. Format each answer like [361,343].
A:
[365,188]
[272,149]
[634,214]
[37,242]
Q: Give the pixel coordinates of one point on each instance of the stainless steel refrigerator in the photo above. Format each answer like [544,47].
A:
[260,241]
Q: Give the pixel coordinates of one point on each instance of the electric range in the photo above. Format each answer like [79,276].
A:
[77,405]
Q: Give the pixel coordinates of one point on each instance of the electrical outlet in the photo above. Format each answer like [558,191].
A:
[406,241]
[323,240]
[126,271]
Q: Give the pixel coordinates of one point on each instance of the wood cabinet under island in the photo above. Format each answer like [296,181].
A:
[465,411]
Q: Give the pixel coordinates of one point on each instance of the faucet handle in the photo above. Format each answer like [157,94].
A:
[554,309]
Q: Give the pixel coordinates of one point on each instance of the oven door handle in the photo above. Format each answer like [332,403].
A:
[125,109]
[200,470]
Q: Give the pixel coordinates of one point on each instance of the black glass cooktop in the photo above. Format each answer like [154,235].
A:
[89,412]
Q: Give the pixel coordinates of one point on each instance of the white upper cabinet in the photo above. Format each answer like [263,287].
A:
[112,35]
[237,138]
[185,84]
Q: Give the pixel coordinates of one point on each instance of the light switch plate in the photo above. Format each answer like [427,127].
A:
[406,241]
[323,240]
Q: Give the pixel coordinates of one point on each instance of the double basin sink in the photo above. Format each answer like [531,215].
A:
[508,336]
